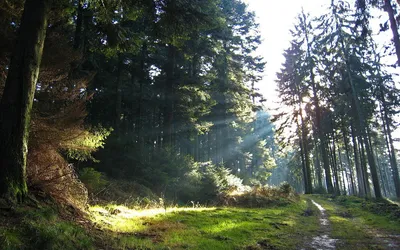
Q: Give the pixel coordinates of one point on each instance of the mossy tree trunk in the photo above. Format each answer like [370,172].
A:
[17,99]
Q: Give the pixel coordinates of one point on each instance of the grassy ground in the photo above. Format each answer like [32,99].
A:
[41,228]
[208,228]
[356,223]
[361,224]
[118,227]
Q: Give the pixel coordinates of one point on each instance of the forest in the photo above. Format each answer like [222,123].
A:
[142,125]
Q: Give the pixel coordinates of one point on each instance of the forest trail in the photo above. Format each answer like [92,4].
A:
[343,228]
[323,240]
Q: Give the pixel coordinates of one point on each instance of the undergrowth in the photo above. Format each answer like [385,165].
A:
[379,207]
[262,196]
[41,227]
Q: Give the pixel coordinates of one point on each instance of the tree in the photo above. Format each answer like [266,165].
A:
[394,27]
[17,99]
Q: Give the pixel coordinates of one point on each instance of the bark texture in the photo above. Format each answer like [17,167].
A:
[17,99]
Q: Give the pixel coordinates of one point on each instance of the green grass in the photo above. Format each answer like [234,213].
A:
[41,228]
[118,227]
[208,228]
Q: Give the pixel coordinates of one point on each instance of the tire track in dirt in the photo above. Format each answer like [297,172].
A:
[323,240]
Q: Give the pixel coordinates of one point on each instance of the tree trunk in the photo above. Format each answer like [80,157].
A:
[349,163]
[372,165]
[335,167]
[78,27]
[362,127]
[169,97]
[342,175]
[390,146]
[364,171]
[17,100]
[118,96]
[318,170]
[209,145]
[321,135]
[394,28]
[305,154]
[357,161]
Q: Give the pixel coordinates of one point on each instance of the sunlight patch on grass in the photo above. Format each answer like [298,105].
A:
[224,226]
[206,228]
[125,212]
[338,219]
[123,219]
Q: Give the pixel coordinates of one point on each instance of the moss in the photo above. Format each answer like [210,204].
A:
[32,228]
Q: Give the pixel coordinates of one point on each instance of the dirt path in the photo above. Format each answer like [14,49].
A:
[370,238]
[323,239]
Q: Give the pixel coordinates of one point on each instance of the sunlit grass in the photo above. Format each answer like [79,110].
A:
[206,228]
[120,218]
[128,213]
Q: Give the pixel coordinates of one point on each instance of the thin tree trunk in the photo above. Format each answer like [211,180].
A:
[394,28]
[357,161]
[209,145]
[78,27]
[169,97]
[318,169]
[118,97]
[335,166]
[364,171]
[304,152]
[372,165]
[391,149]
[343,177]
[349,163]
[17,99]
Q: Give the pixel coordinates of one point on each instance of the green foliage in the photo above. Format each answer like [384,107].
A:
[286,189]
[82,147]
[206,183]
[380,207]
[11,239]
[93,180]
[264,196]
[128,193]
[167,168]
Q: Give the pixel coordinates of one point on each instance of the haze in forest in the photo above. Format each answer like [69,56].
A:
[275,24]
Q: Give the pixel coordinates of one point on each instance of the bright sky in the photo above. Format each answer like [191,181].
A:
[276,18]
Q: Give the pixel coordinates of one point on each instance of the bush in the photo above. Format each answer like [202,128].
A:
[319,190]
[48,171]
[206,183]
[93,180]
[128,193]
[262,196]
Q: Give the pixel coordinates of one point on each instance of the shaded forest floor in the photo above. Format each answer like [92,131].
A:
[353,223]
